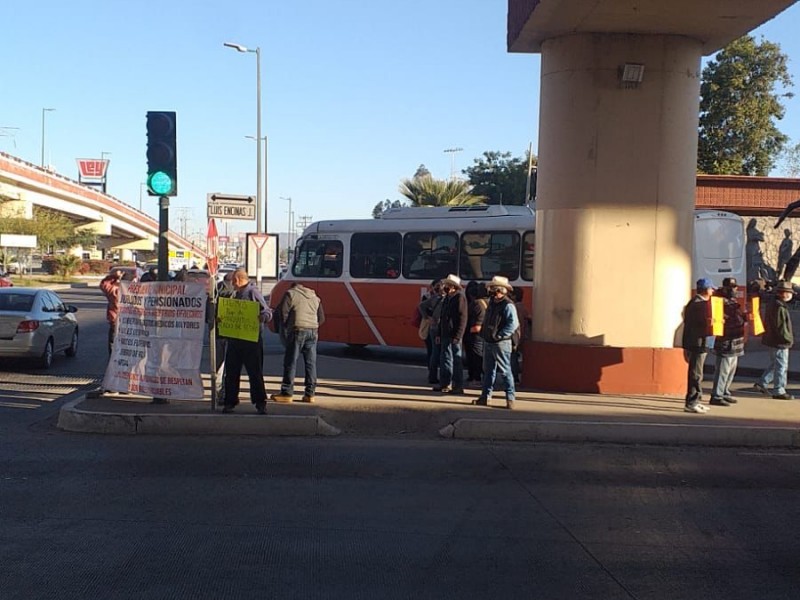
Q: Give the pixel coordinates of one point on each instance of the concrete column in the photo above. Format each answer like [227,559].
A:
[615,198]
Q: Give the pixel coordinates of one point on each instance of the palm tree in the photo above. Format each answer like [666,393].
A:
[427,191]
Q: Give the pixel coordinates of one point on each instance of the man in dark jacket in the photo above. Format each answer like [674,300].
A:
[778,337]
[246,353]
[300,313]
[696,327]
[729,346]
[499,325]
[452,324]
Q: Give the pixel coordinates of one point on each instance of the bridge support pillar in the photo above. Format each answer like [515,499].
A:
[615,198]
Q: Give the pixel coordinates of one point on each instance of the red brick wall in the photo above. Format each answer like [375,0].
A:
[746,195]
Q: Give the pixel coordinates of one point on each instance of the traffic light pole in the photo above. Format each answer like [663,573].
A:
[163,254]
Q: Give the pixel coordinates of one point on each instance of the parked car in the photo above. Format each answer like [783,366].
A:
[35,323]
[5,281]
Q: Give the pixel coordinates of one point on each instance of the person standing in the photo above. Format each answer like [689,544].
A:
[431,309]
[696,328]
[300,313]
[246,353]
[109,285]
[452,324]
[499,325]
[729,346]
[473,342]
[778,337]
[225,289]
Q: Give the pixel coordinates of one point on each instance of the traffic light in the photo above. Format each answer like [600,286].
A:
[162,154]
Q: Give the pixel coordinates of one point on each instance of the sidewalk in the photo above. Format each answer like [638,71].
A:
[363,398]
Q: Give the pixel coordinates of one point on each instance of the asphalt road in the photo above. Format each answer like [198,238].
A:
[150,517]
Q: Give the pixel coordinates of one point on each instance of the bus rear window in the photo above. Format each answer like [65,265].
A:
[319,258]
[375,255]
[430,255]
[489,253]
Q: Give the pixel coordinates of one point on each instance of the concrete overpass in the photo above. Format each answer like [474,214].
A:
[118,225]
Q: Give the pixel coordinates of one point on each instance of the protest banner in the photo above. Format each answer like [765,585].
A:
[238,319]
[159,340]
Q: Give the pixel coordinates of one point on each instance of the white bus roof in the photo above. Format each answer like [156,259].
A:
[421,219]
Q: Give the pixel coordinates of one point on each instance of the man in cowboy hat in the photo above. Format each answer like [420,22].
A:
[778,338]
[499,325]
[452,324]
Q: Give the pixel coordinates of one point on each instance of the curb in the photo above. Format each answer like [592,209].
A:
[71,418]
[622,433]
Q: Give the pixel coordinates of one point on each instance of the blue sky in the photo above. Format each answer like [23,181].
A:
[356,94]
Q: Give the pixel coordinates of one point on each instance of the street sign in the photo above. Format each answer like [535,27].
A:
[229,206]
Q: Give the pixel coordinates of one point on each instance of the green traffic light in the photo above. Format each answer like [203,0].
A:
[160,183]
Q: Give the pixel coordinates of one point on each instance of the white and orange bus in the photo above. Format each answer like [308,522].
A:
[371,273]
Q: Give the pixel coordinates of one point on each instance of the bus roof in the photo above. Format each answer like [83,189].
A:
[422,219]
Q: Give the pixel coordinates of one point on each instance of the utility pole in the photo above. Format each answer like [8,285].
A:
[183,218]
[303,222]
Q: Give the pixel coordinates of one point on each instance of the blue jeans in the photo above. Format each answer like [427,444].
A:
[451,368]
[497,360]
[300,341]
[724,371]
[434,359]
[775,373]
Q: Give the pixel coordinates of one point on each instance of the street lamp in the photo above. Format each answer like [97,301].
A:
[44,110]
[289,231]
[257,52]
[452,153]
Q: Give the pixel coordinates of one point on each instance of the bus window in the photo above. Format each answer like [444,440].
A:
[528,247]
[318,258]
[375,255]
[429,255]
[486,254]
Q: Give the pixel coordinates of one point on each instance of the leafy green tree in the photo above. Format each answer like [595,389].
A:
[422,171]
[500,178]
[52,229]
[739,104]
[382,207]
[791,160]
[427,191]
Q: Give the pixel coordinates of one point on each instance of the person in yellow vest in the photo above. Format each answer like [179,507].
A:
[729,346]
[696,328]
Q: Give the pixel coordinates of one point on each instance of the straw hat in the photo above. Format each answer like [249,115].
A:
[452,280]
[499,282]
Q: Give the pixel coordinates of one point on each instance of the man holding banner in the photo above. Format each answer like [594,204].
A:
[240,319]
[696,328]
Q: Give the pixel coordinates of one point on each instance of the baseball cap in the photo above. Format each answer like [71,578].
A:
[704,284]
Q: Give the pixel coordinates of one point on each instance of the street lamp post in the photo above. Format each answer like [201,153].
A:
[259,230]
[289,230]
[44,110]
[452,153]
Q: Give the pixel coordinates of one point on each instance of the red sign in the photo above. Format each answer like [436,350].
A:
[92,168]
[212,247]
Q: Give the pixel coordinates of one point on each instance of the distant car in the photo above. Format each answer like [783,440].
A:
[5,281]
[35,324]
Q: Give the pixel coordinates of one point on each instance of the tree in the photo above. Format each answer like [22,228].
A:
[500,178]
[382,207]
[67,264]
[422,171]
[427,191]
[739,104]
[51,228]
[791,160]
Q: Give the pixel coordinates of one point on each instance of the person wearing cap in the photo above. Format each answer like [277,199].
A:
[729,346]
[499,325]
[696,328]
[452,325]
[778,337]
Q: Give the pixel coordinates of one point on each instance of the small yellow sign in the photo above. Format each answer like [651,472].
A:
[717,316]
[758,324]
[238,319]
